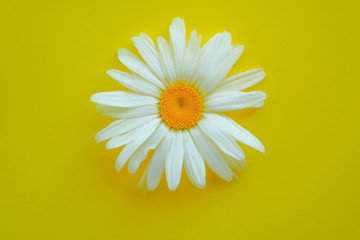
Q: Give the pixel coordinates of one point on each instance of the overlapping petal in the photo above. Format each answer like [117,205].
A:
[191,58]
[178,43]
[174,161]
[130,148]
[242,81]
[230,127]
[150,54]
[128,112]
[210,154]
[135,83]
[122,126]
[233,100]
[123,99]
[135,64]
[194,163]
[167,60]
[157,163]
[151,143]
[130,136]
[224,142]
[212,61]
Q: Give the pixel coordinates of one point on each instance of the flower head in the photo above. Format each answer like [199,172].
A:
[178,88]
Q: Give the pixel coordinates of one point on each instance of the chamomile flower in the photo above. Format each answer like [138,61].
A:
[178,88]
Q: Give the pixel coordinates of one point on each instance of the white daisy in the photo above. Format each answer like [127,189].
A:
[177,90]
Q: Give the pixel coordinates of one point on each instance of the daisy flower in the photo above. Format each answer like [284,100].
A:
[178,89]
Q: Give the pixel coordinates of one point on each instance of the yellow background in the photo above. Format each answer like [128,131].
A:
[56,182]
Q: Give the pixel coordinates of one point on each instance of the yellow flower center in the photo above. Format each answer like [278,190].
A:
[180,107]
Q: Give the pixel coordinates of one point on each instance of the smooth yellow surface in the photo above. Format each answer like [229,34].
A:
[56,182]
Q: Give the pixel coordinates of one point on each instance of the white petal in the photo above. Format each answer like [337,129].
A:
[150,54]
[130,148]
[142,184]
[123,99]
[109,128]
[134,112]
[194,164]
[209,44]
[222,66]
[236,164]
[167,60]
[242,81]
[151,143]
[122,126]
[135,83]
[240,134]
[259,105]
[191,58]
[135,64]
[174,161]
[210,154]
[224,142]
[178,42]
[157,163]
[132,135]
[210,59]
[233,100]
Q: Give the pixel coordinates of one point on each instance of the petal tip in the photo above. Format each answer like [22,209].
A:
[108,72]
[173,185]
[93,98]
[122,51]
[172,188]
